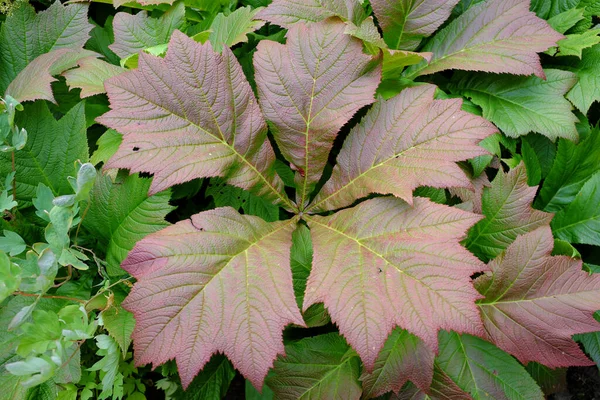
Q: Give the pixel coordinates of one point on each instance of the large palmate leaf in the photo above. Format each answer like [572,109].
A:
[384,264]
[406,22]
[483,370]
[495,36]
[137,32]
[321,367]
[579,222]
[506,206]
[121,213]
[26,35]
[308,89]
[574,164]
[535,302]
[191,115]
[50,152]
[287,12]
[519,105]
[587,89]
[219,282]
[403,357]
[408,141]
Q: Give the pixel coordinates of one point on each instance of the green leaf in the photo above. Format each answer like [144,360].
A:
[26,35]
[579,222]
[550,380]
[573,166]
[551,8]
[122,213]
[109,364]
[90,75]
[232,196]
[507,209]
[566,19]
[321,367]
[591,342]
[519,105]
[212,382]
[573,45]
[51,151]
[538,154]
[108,144]
[70,371]
[232,29]
[483,370]
[119,323]
[12,243]
[137,32]
[587,89]
[9,276]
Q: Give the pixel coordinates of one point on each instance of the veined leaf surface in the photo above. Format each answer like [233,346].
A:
[220,282]
[408,141]
[288,12]
[500,36]
[90,75]
[308,89]
[535,302]
[191,115]
[406,22]
[384,264]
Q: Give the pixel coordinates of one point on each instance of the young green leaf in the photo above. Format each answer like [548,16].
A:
[408,141]
[108,144]
[406,22]
[403,357]
[121,213]
[10,276]
[184,131]
[321,367]
[286,13]
[119,324]
[51,150]
[535,302]
[587,89]
[26,35]
[506,206]
[500,36]
[308,89]
[573,45]
[384,264]
[231,292]
[90,75]
[233,28]
[137,32]
[579,222]
[519,105]
[109,364]
[483,370]
[575,163]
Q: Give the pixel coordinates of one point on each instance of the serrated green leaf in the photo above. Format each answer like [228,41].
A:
[566,19]
[90,75]
[121,213]
[519,105]
[108,349]
[538,155]
[212,382]
[587,89]
[321,367]
[9,276]
[51,151]
[108,144]
[549,380]
[12,243]
[573,45]
[550,8]
[506,206]
[579,222]
[227,195]
[232,29]
[119,323]
[591,342]
[574,164]
[483,370]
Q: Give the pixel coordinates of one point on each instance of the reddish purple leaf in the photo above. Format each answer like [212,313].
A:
[534,302]
[408,141]
[384,264]
[286,13]
[500,36]
[406,22]
[191,115]
[220,282]
[308,89]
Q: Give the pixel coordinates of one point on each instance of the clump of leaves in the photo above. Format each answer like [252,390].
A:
[383,261]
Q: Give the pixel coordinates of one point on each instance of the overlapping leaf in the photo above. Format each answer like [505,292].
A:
[406,22]
[121,213]
[137,32]
[384,264]
[442,388]
[51,150]
[191,115]
[408,141]
[587,89]
[403,357]
[232,29]
[321,367]
[519,105]
[219,282]
[308,89]
[90,75]
[535,302]
[288,12]
[500,36]
[26,35]
[506,206]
